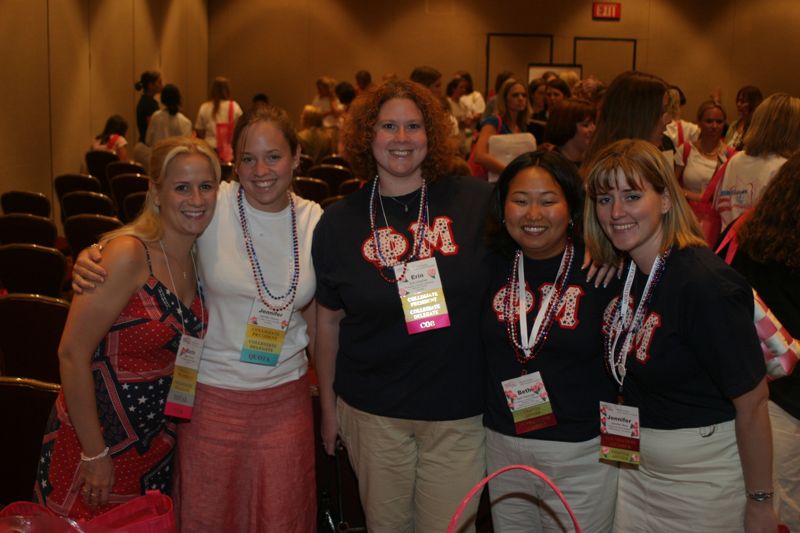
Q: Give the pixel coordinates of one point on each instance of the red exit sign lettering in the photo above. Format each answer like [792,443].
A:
[606,10]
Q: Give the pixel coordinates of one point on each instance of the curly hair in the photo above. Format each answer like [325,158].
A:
[358,132]
[772,234]
[562,125]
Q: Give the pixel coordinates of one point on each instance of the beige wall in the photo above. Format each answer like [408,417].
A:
[69,64]
[282,46]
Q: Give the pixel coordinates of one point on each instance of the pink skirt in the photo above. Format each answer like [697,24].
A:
[246,461]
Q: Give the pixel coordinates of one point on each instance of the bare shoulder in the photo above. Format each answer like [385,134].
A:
[125,256]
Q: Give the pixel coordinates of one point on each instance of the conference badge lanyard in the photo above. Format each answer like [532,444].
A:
[422,296]
[619,424]
[265,334]
[529,403]
[268,322]
[180,398]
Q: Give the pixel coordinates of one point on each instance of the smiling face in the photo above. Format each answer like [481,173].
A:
[536,213]
[632,218]
[265,167]
[187,194]
[711,123]
[400,144]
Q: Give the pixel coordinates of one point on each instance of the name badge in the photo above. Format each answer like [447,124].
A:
[422,296]
[619,433]
[264,334]
[180,399]
[529,403]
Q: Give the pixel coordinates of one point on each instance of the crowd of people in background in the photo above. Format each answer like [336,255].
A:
[576,318]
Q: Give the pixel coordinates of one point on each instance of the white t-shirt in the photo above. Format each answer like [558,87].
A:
[208,123]
[744,180]
[473,102]
[230,289]
[698,170]
[163,125]
[691,132]
[325,104]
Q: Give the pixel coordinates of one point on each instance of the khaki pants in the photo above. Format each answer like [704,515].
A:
[522,503]
[412,474]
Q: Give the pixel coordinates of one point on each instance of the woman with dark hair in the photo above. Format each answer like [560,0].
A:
[511,117]
[471,99]
[769,258]
[635,106]
[557,91]
[169,122]
[535,414]
[112,138]
[747,100]
[400,270]
[150,84]
[697,161]
[773,136]
[570,128]
[681,344]
[217,117]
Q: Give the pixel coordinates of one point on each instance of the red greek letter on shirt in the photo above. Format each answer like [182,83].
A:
[394,246]
[644,337]
[438,237]
[567,313]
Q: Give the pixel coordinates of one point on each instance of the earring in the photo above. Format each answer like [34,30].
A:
[571,224]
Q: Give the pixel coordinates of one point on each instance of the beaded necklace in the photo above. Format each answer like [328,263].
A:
[419,237]
[526,347]
[255,265]
[622,322]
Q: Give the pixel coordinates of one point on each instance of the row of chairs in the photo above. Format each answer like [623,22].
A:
[79,230]
[306,162]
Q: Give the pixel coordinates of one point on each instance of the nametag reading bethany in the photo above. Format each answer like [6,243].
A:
[619,433]
[264,334]
[422,296]
[180,399]
[529,403]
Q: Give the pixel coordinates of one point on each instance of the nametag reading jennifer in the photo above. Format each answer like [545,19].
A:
[529,403]
[422,296]
[180,399]
[619,433]
[264,334]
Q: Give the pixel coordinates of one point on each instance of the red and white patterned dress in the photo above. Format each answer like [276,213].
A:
[132,370]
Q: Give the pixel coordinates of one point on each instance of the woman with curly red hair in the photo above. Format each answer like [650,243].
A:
[400,275]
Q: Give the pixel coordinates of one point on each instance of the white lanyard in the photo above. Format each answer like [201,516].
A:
[528,341]
[175,290]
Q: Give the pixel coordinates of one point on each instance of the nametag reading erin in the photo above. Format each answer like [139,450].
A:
[180,399]
[619,433]
[529,403]
[422,296]
[264,335]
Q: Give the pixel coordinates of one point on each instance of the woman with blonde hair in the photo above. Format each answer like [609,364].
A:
[773,135]
[681,345]
[110,439]
[217,117]
[511,117]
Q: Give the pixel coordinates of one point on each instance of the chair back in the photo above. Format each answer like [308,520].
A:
[327,202]
[86,203]
[306,162]
[124,184]
[335,159]
[33,269]
[25,228]
[311,188]
[66,183]
[227,170]
[34,203]
[132,205]
[84,230]
[115,168]
[30,331]
[349,186]
[96,163]
[25,424]
[333,175]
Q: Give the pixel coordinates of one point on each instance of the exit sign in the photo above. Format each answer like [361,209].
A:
[606,10]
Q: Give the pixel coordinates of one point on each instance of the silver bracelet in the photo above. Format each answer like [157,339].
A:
[760,495]
[100,455]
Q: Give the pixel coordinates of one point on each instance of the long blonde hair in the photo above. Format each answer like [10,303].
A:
[148,225]
[638,161]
